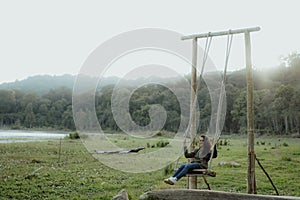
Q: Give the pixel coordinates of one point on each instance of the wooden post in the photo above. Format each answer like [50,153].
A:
[59,150]
[250,118]
[193,179]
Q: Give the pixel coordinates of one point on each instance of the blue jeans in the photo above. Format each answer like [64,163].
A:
[184,168]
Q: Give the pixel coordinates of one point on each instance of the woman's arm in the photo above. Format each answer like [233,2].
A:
[215,151]
[208,156]
[189,155]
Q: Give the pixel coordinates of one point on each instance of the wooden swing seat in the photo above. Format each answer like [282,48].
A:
[201,172]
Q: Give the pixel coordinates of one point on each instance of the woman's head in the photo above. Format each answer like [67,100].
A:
[202,139]
[204,145]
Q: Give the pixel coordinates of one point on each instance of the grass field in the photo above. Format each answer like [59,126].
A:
[38,171]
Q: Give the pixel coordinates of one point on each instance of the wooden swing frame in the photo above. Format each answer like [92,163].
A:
[250,120]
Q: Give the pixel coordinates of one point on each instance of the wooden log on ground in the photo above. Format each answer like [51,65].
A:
[135,150]
[207,194]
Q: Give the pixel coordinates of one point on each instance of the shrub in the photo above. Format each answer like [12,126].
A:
[162,144]
[286,158]
[285,144]
[224,143]
[74,135]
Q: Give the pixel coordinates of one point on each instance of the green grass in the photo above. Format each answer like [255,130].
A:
[78,175]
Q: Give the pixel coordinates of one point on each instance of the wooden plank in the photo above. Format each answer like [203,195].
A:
[220,33]
[201,172]
[207,194]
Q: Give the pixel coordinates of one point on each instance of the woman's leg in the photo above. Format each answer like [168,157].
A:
[172,180]
[179,170]
[185,170]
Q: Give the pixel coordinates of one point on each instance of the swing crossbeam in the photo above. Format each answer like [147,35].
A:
[220,33]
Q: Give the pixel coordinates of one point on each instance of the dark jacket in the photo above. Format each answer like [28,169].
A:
[203,162]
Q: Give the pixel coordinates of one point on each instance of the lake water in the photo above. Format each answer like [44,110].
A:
[11,136]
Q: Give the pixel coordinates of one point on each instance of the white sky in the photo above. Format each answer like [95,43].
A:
[55,37]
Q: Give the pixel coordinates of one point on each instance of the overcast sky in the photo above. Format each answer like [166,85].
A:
[56,37]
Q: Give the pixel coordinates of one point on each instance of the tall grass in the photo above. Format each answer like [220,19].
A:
[33,171]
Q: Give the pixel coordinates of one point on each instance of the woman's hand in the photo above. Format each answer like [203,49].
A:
[215,142]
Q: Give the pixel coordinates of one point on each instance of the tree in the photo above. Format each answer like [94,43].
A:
[29,116]
[264,113]
[239,112]
[67,119]
[292,60]
[283,96]
[7,101]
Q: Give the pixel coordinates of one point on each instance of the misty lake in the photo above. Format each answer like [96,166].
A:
[12,136]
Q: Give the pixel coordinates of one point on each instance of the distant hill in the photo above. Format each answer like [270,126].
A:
[269,78]
[41,84]
[263,79]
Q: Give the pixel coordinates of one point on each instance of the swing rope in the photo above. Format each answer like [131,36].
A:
[205,56]
[221,97]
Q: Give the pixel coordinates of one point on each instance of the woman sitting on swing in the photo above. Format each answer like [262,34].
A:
[201,155]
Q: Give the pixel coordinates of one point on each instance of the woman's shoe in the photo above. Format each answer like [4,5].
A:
[171,180]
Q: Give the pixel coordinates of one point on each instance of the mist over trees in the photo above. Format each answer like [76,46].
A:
[276,96]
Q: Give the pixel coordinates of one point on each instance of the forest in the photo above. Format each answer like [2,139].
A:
[276,103]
